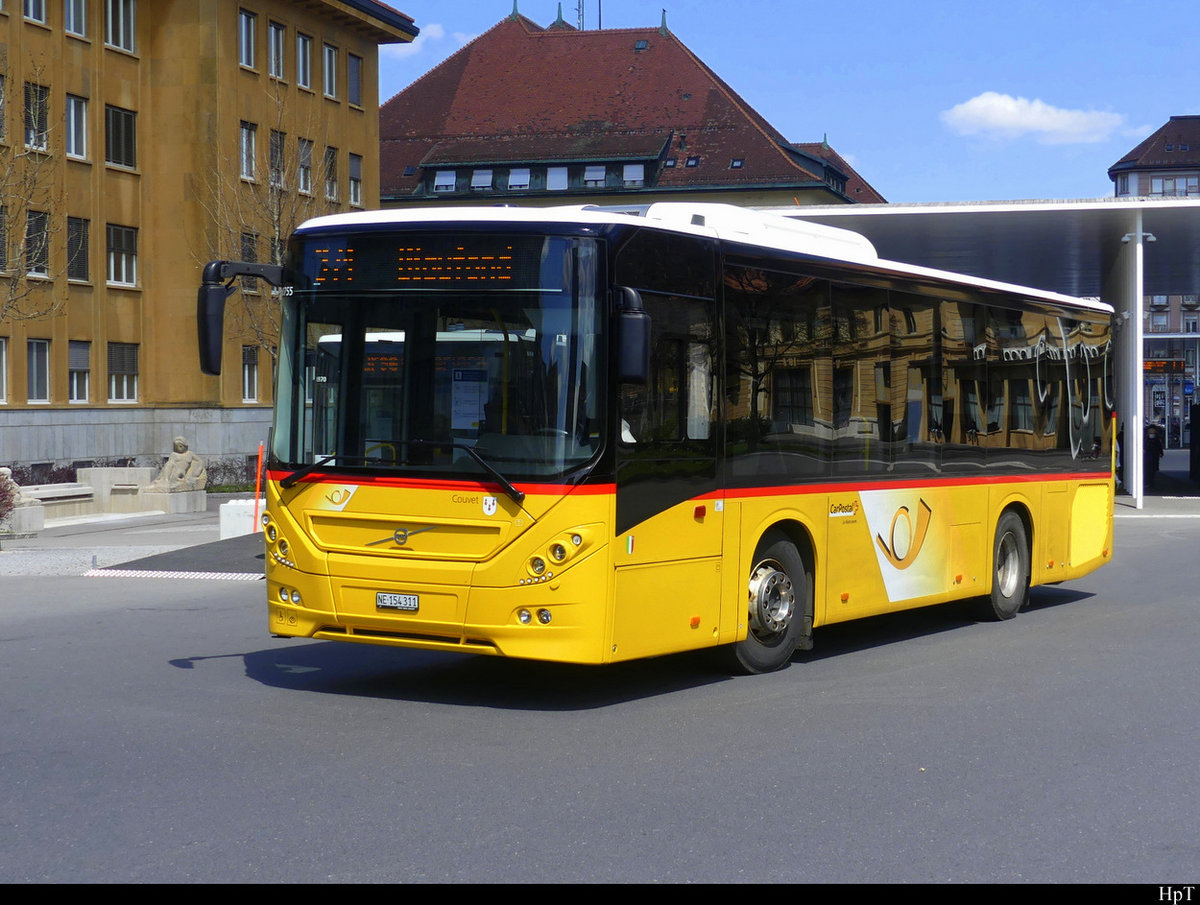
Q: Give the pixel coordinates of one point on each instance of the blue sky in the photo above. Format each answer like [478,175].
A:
[930,100]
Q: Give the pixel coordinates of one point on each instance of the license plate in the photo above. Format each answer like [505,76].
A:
[406,602]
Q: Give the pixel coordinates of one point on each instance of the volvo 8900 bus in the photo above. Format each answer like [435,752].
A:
[589,435]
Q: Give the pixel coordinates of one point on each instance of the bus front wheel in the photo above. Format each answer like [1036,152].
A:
[1010,567]
[778,606]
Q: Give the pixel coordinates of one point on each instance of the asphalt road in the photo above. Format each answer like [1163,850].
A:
[154,732]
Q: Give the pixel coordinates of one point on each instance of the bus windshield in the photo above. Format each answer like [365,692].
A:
[446,365]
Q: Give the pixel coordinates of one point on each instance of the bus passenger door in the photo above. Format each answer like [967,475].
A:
[669,513]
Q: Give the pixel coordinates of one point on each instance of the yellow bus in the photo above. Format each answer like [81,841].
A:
[589,435]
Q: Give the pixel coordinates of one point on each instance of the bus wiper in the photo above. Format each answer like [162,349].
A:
[308,469]
[509,488]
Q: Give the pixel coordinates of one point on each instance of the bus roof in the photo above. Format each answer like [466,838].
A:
[725,222]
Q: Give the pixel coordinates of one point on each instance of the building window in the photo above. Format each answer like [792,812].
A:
[35,10]
[634,175]
[792,398]
[276,34]
[1123,184]
[481,181]
[444,181]
[331,175]
[593,177]
[330,75]
[669,163]
[692,162]
[1022,406]
[119,23]
[250,256]
[246,23]
[1158,321]
[120,137]
[556,179]
[303,61]
[3,369]
[304,166]
[37,244]
[518,178]
[77,249]
[37,373]
[76,126]
[277,144]
[249,135]
[37,116]
[356,180]
[1190,323]
[737,163]
[122,255]
[122,372]
[75,17]
[1158,301]
[354,66]
[249,373]
[79,368]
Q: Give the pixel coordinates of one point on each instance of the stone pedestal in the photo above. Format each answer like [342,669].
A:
[174,503]
[26,519]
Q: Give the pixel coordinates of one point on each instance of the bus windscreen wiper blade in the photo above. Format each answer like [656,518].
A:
[308,469]
[509,488]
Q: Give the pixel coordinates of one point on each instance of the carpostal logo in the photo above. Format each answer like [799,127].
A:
[843,510]
[904,538]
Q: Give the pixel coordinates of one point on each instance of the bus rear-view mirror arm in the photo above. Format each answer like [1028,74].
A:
[215,287]
[633,338]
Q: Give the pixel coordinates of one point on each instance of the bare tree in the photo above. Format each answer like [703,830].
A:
[32,205]
[252,213]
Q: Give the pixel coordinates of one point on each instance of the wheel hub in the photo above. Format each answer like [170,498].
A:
[772,599]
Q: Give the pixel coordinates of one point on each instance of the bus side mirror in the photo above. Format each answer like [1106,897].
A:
[210,325]
[633,338]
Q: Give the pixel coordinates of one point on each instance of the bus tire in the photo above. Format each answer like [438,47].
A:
[1010,567]
[779,606]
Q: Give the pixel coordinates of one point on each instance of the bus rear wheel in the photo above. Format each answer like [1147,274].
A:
[778,600]
[1010,567]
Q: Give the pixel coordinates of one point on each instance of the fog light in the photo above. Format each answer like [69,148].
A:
[283,546]
[295,597]
[538,565]
[283,594]
[544,617]
[524,617]
[576,539]
[266,519]
[558,552]
[270,532]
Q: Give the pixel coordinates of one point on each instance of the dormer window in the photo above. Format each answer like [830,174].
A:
[634,175]
[481,181]
[593,177]
[518,178]
[444,181]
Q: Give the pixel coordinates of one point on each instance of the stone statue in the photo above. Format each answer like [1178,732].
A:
[184,470]
[19,499]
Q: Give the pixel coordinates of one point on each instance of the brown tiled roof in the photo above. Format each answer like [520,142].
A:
[520,92]
[857,188]
[1153,154]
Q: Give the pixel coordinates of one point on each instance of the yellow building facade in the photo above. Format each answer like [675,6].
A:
[139,140]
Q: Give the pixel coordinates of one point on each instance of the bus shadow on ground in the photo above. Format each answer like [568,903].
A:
[470,680]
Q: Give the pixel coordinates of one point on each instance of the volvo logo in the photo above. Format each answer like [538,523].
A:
[400,536]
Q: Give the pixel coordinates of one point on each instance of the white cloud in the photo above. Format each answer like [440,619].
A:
[429,33]
[995,115]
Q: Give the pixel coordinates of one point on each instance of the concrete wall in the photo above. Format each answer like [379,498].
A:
[63,436]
